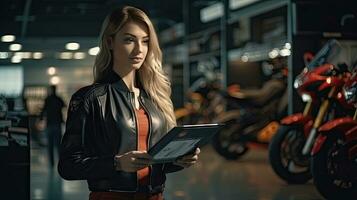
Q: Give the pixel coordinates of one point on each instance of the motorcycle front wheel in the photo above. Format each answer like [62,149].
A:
[335,176]
[285,155]
[227,142]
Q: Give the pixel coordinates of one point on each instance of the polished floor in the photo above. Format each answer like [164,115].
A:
[212,178]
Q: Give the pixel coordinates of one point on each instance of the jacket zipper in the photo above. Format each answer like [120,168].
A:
[150,129]
[132,98]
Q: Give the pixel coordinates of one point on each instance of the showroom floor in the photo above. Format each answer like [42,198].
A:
[212,178]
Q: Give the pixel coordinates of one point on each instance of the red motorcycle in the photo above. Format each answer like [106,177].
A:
[334,161]
[318,86]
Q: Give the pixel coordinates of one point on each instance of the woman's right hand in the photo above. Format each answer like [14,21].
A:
[132,161]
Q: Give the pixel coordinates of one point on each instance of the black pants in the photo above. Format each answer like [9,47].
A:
[54,133]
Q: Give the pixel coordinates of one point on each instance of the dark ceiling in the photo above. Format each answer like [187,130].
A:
[76,18]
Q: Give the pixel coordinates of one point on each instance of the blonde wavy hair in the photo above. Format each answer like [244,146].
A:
[151,75]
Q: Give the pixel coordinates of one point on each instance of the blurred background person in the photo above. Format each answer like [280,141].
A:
[52,114]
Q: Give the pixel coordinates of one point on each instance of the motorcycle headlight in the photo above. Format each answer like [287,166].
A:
[350,94]
[306,97]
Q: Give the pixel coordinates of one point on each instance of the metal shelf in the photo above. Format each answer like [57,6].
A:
[203,55]
[5,123]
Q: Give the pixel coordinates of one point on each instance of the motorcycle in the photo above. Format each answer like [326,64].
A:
[205,99]
[201,107]
[334,155]
[254,117]
[319,85]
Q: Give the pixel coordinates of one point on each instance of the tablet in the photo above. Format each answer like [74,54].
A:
[182,140]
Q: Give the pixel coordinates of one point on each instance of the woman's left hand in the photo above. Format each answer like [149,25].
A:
[188,160]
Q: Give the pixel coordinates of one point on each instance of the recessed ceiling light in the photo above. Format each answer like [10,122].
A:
[4,55]
[287,45]
[16,59]
[79,55]
[15,47]
[54,80]
[65,55]
[72,46]
[8,38]
[273,53]
[94,51]
[26,55]
[245,58]
[37,55]
[51,71]
[285,52]
[23,55]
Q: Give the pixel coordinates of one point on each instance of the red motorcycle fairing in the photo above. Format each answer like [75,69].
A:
[342,101]
[312,77]
[340,125]
[351,134]
[295,119]
[331,82]
[299,119]
[320,140]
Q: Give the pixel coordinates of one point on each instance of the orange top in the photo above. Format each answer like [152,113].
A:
[143,134]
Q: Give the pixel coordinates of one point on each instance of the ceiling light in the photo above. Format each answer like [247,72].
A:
[8,38]
[26,55]
[273,53]
[287,45]
[54,80]
[37,55]
[93,51]
[4,55]
[245,58]
[16,59]
[23,55]
[15,47]
[285,52]
[51,71]
[65,55]
[72,46]
[79,55]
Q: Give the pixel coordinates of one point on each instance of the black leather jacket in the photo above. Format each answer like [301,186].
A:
[101,123]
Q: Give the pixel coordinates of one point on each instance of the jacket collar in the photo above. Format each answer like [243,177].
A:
[117,82]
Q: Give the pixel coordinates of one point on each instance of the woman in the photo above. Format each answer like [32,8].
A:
[112,123]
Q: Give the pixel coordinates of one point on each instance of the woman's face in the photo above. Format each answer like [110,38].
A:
[130,46]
